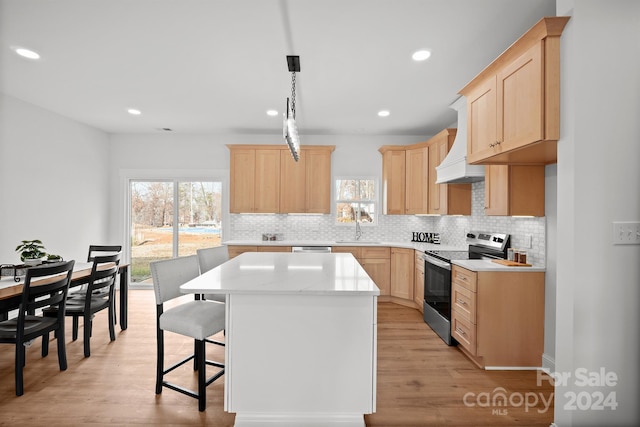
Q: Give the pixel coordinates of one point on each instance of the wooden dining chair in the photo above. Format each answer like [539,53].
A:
[50,292]
[198,319]
[100,295]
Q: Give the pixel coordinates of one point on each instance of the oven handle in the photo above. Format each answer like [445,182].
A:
[437,262]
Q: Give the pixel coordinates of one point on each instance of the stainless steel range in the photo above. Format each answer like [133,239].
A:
[437,277]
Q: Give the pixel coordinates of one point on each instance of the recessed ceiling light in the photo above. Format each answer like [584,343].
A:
[272,113]
[26,53]
[134,112]
[421,55]
[383,113]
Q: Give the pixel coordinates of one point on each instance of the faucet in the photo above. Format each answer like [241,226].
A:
[358,230]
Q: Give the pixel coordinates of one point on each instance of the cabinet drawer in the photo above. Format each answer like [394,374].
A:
[463,331]
[274,248]
[375,252]
[464,302]
[464,277]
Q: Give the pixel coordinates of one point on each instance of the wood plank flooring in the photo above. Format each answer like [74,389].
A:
[421,381]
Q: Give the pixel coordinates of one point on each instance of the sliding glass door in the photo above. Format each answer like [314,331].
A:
[170,218]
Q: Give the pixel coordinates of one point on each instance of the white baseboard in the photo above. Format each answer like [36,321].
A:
[548,363]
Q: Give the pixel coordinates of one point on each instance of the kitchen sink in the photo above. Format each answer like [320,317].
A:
[358,242]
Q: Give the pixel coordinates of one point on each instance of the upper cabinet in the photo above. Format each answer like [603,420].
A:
[255,180]
[265,179]
[305,185]
[513,105]
[393,179]
[445,199]
[514,190]
[409,179]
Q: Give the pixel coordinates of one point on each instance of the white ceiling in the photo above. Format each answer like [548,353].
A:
[216,66]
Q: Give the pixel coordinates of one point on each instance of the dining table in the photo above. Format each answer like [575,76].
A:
[11,288]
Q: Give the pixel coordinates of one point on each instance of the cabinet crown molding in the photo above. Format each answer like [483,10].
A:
[544,28]
[279,147]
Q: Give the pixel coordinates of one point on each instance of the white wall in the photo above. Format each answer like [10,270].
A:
[598,284]
[53,181]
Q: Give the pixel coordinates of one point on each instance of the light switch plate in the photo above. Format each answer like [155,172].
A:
[626,233]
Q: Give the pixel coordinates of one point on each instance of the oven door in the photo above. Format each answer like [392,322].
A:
[437,285]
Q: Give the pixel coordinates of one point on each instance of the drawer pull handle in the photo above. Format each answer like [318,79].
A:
[460,331]
[459,301]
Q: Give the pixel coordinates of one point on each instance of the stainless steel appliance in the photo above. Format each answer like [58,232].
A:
[437,277]
[311,249]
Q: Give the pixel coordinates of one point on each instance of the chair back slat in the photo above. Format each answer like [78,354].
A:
[210,258]
[102,250]
[168,275]
[103,272]
[45,285]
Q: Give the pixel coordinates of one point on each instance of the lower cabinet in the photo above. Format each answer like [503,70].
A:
[235,250]
[418,281]
[498,317]
[402,272]
[375,261]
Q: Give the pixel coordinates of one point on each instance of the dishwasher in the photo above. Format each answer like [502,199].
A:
[311,249]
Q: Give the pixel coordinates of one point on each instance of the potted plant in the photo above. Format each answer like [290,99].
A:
[32,252]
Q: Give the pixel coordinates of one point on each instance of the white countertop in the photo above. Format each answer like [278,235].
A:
[285,273]
[407,245]
[488,265]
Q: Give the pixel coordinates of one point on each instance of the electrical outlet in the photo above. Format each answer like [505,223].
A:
[626,233]
[528,241]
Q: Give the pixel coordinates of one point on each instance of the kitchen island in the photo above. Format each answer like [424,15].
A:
[300,338]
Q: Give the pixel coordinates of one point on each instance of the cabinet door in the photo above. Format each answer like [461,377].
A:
[379,269]
[514,190]
[402,272]
[242,185]
[496,190]
[235,250]
[293,177]
[393,182]
[416,171]
[437,192]
[418,281]
[520,107]
[318,182]
[481,121]
[267,181]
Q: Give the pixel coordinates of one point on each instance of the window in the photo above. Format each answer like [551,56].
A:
[356,199]
[170,218]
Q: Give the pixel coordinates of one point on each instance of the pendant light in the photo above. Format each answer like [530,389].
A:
[289,127]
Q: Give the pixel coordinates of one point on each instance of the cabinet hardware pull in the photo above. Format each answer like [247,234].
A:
[492,145]
[459,301]
[460,331]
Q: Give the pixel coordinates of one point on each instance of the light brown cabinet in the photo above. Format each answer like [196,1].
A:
[255,180]
[416,179]
[418,281]
[305,186]
[265,179]
[445,199]
[375,261]
[498,317]
[513,105]
[409,179]
[235,250]
[393,180]
[514,190]
[402,273]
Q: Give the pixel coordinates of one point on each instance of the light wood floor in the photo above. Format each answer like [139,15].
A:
[421,381]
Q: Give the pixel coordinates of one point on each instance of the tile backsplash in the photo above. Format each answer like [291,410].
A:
[398,228]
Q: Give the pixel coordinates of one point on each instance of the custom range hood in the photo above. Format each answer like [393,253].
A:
[454,168]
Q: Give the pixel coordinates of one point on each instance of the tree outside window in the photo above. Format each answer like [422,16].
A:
[356,200]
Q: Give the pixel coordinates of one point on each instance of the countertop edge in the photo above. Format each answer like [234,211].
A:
[480,265]
[406,245]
